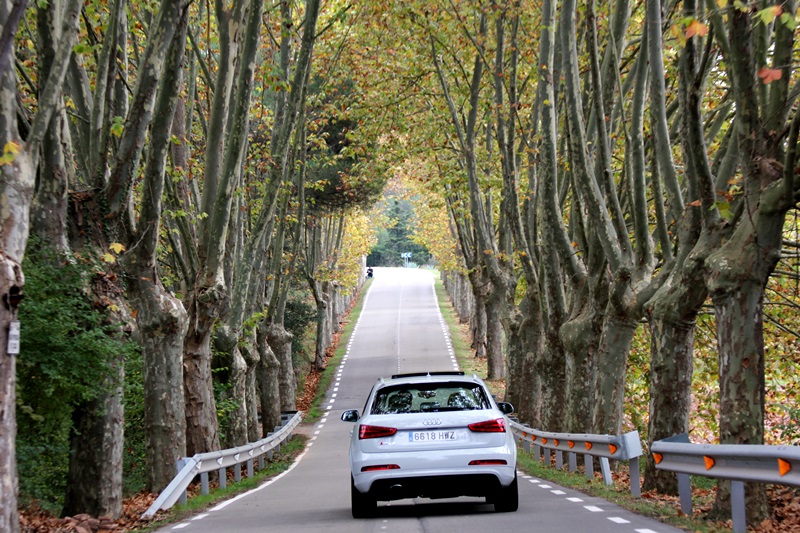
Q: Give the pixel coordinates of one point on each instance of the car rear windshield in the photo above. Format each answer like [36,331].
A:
[429,397]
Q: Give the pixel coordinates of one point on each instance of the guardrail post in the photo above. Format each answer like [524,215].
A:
[685,493]
[526,445]
[546,456]
[237,472]
[738,509]
[250,467]
[179,464]
[204,483]
[636,483]
[605,469]
[223,478]
[573,461]
[261,462]
[559,459]
[588,466]
[536,452]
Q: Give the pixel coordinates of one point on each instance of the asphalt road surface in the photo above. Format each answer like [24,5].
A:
[400,330]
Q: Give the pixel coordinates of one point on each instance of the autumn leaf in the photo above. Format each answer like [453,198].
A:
[696,203]
[769,14]
[117,247]
[768,75]
[108,258]
[696,27]
[10,150]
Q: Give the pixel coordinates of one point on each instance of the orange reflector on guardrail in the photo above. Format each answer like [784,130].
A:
[555,441]
[571,444]
[612,448]
[524,434]
[588,445]
[710,462]
[657,457]
[784,466]
[544,440]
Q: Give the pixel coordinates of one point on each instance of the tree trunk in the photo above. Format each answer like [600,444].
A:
[741,378]
[251,395]
[202,431]
[162,322]
[522,382]
[496,368]
[609,369]
[672,354]
[226,343]
[280,340]
[96,447]
[268,370]
[580,336]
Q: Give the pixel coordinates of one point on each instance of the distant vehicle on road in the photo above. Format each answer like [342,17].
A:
[431,435]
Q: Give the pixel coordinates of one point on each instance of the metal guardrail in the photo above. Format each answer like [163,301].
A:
[736,462]
[626,447]
[203,463]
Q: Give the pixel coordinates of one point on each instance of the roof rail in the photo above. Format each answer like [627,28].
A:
[424,374]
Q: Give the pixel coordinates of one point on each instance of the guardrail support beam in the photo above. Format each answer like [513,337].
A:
[573,462]
[606,471]
[223,478]
[204,483]
[636,482]
[685,492]
[588,466]
[738,509]
[559,459]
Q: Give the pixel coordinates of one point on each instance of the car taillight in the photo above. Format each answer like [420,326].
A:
[374,432]
[379,467]
[488,462]
[489,426]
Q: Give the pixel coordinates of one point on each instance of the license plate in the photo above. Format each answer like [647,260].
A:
[432,436]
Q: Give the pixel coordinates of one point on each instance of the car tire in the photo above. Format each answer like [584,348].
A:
[363,506]
[506,500]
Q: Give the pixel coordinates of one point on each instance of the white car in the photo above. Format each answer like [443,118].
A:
[431,435]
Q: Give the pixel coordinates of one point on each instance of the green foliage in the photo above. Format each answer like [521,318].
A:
[135,475]
[397,239]
[65,347]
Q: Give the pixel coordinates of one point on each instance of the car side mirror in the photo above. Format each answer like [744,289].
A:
[351,415]
[505,408]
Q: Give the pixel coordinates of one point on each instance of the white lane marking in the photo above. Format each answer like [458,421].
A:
[576,500]
[545,486]
[592,508]
[181,526]
[559,492]
[200,516]
[645,531]
[618,520]
[535,481]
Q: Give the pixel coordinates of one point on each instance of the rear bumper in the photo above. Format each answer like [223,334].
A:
[431,475]
[440,486]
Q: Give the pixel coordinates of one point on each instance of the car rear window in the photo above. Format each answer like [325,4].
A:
[429,397]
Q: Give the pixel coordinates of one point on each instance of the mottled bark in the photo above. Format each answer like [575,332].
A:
[495,364]
[202,431]
[280,340]
[96,447]
[268,384]
[162,322]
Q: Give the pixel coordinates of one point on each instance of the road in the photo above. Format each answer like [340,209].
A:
[400,330]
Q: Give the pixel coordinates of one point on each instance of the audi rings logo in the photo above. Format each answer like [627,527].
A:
[432,422]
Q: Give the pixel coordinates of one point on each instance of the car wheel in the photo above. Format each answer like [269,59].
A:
[506,500]
[362,505]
